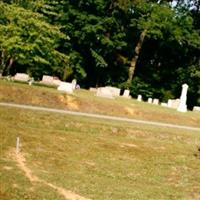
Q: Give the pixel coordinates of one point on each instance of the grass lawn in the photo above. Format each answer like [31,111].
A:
[96,159]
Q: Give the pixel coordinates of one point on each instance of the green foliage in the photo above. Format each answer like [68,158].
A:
[140,87]
[29,40]
[99,60]
[75,64]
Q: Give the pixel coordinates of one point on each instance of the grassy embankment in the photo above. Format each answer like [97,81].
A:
[96,159]
[83,100]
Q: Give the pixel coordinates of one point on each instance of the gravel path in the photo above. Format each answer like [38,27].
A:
[123,119]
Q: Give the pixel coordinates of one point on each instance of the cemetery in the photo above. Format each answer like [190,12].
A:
[100,100]
[107,91]
[55,154]
[122,142]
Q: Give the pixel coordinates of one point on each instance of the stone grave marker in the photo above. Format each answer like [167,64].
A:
[21,77]
[196,109]
[104,92]
[169,103]
[65,87]
[139,98]
[56,81]
[47,79]
[155,101]
[150,100]
[74,82]
[115,91]
[50,80]
[93,89]
[126,94]
[182,106]
[173,103]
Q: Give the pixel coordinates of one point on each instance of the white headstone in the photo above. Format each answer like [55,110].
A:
[104,92]
[182,106]
[17,146]
[126,93]
[50,80]
[175,103]
[196,109]
[56,82]
[65,87]
[156,101]
[150,100]
[169,103]
[93,89]
[47,79]
[21,77]
[115,91]
[139,98]
[74,82]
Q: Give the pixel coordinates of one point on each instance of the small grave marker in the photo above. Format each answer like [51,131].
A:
[139,98]
[150,100]
[18,145]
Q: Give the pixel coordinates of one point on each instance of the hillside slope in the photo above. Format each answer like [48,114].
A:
[86,101]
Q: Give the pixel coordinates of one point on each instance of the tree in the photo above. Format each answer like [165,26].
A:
[28,40]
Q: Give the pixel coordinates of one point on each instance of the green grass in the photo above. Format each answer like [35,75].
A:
[97,159]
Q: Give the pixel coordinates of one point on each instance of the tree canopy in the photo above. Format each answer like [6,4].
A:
[149,46]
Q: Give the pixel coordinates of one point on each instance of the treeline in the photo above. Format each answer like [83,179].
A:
[151,47]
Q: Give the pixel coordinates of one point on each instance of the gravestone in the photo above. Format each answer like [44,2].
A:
[104,92]
[65,87]
[74,82]
[182,106]
[150,100]
[155,101]
[115,91]
[21,77]
[139,98]
[47,79]
[50,80]
[56,81]
[169,103]
[93,89]
[173,103]
[126,94]
[196,109]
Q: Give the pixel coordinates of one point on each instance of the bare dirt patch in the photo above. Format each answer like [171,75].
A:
[129,110]
[69,101]
[21,163]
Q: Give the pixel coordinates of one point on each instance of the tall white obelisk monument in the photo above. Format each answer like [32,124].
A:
[182,106]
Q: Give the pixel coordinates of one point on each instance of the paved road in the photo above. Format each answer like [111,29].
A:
[123,119]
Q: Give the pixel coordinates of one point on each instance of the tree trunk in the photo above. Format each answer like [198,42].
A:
[7,68]
[135,57]
[3,62]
